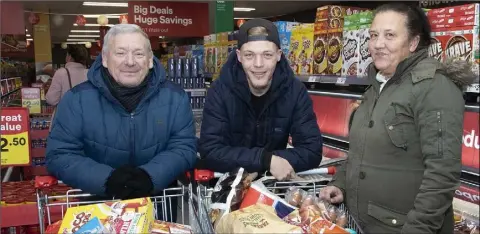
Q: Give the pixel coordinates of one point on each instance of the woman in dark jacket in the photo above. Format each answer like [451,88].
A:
[404,160]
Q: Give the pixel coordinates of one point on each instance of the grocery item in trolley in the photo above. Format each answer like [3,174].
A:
[258,218]
[162,227]
[129,216]
[229,192]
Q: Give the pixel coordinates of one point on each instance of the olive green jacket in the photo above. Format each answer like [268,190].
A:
[405,147]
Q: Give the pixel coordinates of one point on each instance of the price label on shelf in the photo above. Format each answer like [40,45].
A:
[474,88]
[15,140]
[341,80]
[312,79]
[31,100]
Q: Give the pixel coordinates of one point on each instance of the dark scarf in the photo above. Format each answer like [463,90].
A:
[129,97]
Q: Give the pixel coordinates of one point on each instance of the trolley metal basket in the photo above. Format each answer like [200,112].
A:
[52,208]
[203,194]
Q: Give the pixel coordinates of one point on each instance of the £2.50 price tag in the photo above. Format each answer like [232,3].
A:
[15,140]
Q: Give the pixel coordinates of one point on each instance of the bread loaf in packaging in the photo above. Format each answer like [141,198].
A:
[258,218]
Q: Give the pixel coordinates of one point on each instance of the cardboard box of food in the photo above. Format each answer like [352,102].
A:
[320,63]
[447,12]
[129,216]
[335,11]
[365,56]
[285,33]
[454,22]
[351,51]
[334,51]
[464,44]
[438,42]
[162,227]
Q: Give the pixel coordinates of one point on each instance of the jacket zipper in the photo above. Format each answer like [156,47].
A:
[132,139]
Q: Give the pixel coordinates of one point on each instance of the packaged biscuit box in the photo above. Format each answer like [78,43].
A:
[161,227]
[295,41]
[437,46]
[320,41]
[129,216]
[334,51]
[285,32]
[464,44]
[365,56]
[351,51]
[454,22]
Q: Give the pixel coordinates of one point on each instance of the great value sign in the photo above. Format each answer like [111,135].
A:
[179,19]
[470,147]
[15,139]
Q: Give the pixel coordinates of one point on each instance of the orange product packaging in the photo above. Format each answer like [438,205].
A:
[129,216]
[162,227]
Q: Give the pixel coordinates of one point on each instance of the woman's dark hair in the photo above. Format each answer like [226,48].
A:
[417,21]
[79,53]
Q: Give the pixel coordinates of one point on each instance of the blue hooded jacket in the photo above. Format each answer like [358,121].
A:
[232,136]
[92,133]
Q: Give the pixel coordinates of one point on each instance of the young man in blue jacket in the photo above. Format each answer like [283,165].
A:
[127,132]
[254,106]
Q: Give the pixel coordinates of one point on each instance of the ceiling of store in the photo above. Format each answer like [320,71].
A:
[69,10]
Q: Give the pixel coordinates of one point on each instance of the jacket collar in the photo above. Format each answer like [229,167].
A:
[156,79]
[402,68]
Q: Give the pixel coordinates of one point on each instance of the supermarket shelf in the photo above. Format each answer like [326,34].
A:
[473,88]
[474,108]
[335,138]
[331,79]
[20,215]
[336,94]
[8,94]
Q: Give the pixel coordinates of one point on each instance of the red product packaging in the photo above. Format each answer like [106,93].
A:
[435,50]
[454,22]
[464,43]
[446,12]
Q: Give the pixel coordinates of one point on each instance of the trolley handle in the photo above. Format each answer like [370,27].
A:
[200,175]
[45,181]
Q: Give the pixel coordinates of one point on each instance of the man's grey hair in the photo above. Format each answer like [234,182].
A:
[125,28]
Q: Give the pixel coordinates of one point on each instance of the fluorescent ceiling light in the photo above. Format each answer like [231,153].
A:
[26,30]
[106,4]
[111,16]
[83,35]
[28,35]
[94,25]
[29,39]
[237,18]
[243,9]
[78,43]
[161,37]
[81,39]
[85,31]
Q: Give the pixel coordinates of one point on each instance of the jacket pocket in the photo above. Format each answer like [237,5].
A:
[395,129]
[387,216]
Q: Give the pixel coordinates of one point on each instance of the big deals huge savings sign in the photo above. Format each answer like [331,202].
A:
[178,19]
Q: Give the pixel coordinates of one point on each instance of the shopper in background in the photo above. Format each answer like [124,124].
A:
[127,132]
[74,73]
[406,138]
[254,106]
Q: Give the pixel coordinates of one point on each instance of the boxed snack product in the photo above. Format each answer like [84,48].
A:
[294,51]
[320,62]
[453,22]
[334,51]
[130,216]
[334,11]
[162,227]
[437,46]
[464,44]
[305,56]
[258,218]
[365,56]
[447,12]
[285,32]
[351,51]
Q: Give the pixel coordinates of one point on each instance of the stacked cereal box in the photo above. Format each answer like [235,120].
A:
[455,33]
[301,49]
[356,57]
[285,32]
[329,38]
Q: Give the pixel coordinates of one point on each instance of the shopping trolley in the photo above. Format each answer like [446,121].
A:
[279,188]
[52,207]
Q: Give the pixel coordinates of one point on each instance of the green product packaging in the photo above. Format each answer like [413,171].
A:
[350,20]
[365,17]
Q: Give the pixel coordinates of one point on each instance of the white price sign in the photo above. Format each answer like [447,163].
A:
[474,88]
[341,80]
[312,79]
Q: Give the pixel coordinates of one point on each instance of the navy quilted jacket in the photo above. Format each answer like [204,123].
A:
[92,133]
[232,136]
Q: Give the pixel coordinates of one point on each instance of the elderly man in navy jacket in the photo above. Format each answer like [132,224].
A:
[254,106]
[126,132]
